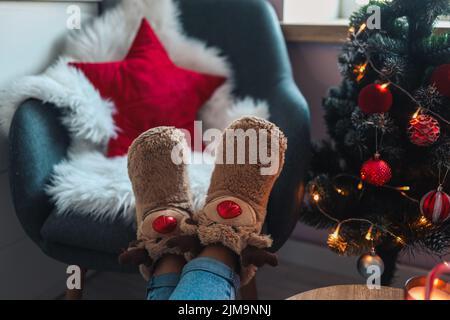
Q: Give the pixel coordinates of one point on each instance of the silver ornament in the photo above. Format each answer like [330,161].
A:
[368,262]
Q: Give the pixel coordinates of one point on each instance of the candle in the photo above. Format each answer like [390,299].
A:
[418,293]
[429,287]
[433,277]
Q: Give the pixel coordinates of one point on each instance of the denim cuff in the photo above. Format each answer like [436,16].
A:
[213,266]
[165,280]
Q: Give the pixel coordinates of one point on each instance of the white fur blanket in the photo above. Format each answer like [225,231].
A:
[87,182]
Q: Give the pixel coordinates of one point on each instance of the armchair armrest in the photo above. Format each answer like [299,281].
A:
[290,112]
[37,141]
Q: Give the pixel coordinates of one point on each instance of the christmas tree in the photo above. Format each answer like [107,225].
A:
[380,184]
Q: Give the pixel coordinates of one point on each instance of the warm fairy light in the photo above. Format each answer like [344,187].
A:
[416,114]
[405,188]
[369,235]
[362,28]
[400,240]
[351,30]
[384,85]
[423,221]
[336,242]
[335,234]
[360,186]
[435,282]
[341,192]
[360,70]
[316,197]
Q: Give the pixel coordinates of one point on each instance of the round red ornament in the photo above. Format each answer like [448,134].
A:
[424,130]
[376,172]
[164,224]
[375,98]
[441,79]
[229,209]
[435,206]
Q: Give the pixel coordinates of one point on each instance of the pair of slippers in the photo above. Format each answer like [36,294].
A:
[236,203]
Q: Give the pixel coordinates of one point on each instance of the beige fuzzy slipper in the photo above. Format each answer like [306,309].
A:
[161,188]
[249,160]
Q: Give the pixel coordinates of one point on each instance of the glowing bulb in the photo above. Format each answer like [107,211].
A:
[360,70]
[423,221]
[400,240]
[362,28]
[416,114]
[405,188]
[369,236]
[316,197]
[360,186]
[384,86]
[335,234]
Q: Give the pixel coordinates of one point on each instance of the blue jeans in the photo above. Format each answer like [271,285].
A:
[201,279]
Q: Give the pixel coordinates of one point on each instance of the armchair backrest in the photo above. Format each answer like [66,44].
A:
[248,33]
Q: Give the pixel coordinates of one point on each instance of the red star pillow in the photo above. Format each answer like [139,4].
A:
[149,90]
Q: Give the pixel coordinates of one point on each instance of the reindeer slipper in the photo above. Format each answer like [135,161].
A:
[161,188]
[237,199]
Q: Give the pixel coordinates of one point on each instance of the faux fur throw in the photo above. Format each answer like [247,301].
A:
[87,182]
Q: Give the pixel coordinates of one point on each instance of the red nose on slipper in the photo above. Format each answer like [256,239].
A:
[229,209]
[164,224]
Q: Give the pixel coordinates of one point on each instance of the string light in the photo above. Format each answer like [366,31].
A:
[416,114]
[342,192]
[384,86]
[423,222]
[335,234]
[369,235]
[400,240]
[316,197]
[361,29]
[360,71]
[360,185]
[336,242]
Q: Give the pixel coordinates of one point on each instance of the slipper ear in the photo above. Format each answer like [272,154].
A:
[135,256]
[186,243]
[258,257]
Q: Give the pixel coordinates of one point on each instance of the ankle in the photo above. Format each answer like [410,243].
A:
[169,264]
[222,254]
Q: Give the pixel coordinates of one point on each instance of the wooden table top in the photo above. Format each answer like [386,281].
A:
[351,292]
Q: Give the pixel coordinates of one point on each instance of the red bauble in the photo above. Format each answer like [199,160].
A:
[376,171]
[441,79]
[165,224]
[375,98]
[424,130]
[435,206]
[229,209]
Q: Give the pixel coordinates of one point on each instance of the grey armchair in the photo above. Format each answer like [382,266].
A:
[248,32]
